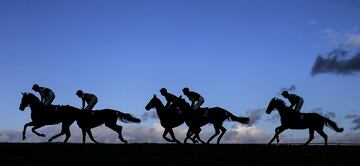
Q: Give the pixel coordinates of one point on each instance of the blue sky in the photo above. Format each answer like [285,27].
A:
[237,54]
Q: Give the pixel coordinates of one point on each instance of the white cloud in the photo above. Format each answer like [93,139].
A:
[245,134]
[353,40]
[350,38]
[255,115]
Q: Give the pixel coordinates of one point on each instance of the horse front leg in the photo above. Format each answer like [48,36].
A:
[188,135]
[166,131]
[25,126]
[173,136]
[278,130]
[34,130]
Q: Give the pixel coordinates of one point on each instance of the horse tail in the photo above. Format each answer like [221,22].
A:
[332,125]
[124,117]
[230,116]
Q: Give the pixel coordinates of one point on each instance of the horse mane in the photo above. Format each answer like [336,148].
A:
[184,101]
[280,101]
[31,95]
[71,107]
[159,101]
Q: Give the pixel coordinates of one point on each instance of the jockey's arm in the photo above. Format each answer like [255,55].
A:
[167,104]
[292,106]
[83,103]
[192,103]
[42,99]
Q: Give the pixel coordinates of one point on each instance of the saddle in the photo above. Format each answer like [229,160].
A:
[204,111]
[297,116]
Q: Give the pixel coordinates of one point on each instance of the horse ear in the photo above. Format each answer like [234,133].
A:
[23,93]
[180,97]
[154,96]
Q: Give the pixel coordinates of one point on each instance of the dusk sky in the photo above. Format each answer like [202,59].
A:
[236,54]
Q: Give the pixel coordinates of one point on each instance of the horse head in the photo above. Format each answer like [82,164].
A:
[271,106]
[153,103]
[24,102]
[27,100]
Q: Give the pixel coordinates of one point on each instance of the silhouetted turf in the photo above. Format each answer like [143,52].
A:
[171,154]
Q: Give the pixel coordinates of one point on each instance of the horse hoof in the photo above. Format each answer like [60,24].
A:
[42,135]
[24,137]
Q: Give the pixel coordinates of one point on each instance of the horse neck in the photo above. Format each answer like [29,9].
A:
[160,108]
[281,109]
[185,106]
[35,106]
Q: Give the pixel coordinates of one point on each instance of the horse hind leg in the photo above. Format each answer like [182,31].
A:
[117,129]
[91,136]
[223,130]
[64,130]
[197,135]
[67,135]
[311,136]
[217,132]
[83,135]
[188,136]
[322,133]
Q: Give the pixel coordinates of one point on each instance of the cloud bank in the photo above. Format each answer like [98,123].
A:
[344,60]
[355,119]
[336,63]
[238,133]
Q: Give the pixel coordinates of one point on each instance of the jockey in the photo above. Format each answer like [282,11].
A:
[47,95]
[295,100]
[170,98]
[90,99]
[196,99]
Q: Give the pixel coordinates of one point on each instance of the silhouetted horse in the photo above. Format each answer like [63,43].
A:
[68,114]
[202,116]
[87,120]
[291,120]
[50,115]
[169,119]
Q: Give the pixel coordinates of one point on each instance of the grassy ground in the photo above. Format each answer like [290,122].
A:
[170,154]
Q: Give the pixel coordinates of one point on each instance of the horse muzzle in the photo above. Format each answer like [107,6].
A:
[21,108]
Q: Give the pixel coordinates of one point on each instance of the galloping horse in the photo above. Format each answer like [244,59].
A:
[202,116]
[291,120]
[42,116]
[169,118]
[87,120]
[68,114]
